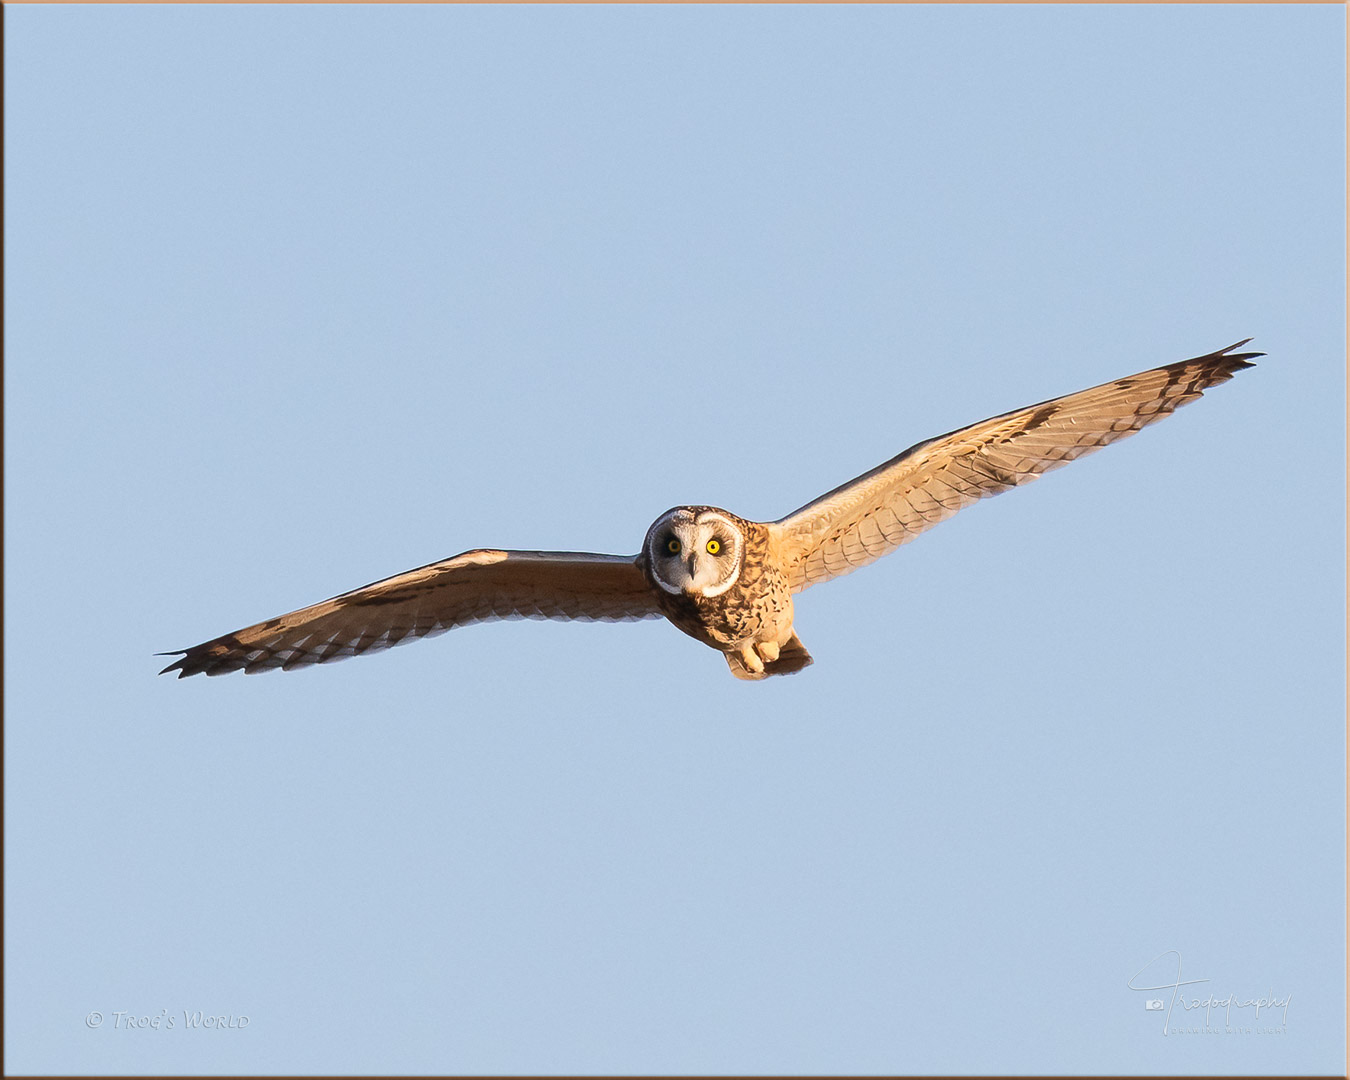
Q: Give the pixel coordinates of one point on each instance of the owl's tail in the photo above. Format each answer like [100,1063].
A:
[792,657]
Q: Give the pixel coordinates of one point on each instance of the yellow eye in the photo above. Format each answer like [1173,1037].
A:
[673,546]
[714,547]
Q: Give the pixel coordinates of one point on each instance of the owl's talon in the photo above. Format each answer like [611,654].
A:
[751,659]
[768,650]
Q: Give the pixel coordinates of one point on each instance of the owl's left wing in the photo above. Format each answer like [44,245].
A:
[473,587]
[869,517]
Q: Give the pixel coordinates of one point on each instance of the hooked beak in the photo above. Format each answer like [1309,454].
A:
[693,571]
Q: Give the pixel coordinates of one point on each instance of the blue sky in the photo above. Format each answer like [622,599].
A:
[299,298]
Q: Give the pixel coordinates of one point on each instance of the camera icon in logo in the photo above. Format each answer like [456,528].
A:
[1154,1005]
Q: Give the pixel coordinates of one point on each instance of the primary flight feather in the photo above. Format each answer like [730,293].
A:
[723,580]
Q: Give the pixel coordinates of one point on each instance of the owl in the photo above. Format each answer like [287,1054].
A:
[726,581]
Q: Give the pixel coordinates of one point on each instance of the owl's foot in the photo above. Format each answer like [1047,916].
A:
[755,663]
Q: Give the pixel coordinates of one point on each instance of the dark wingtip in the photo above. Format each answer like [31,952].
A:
[181,664]
[1239,359]
[177,665]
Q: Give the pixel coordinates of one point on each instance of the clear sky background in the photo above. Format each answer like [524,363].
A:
[300,298]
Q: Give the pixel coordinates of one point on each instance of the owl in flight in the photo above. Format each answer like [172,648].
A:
[721,579]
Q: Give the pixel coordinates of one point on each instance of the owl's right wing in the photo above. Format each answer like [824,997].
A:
[859,522]
[473,587]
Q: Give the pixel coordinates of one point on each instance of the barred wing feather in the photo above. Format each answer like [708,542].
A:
[869,517]
[473,587]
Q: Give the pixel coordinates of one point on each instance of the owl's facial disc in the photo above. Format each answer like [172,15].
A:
[694,552]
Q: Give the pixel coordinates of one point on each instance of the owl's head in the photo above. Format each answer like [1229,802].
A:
[695,551]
